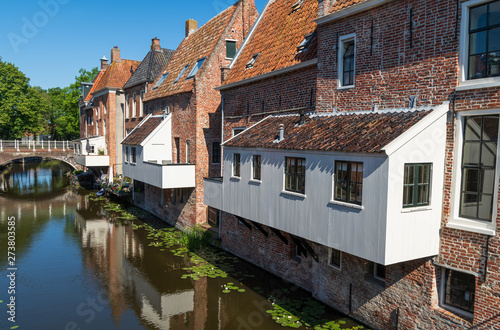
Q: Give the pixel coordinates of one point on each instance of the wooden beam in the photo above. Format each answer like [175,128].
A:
[309,249]
[243,221]
[280,235]
[259,227]
[300,248]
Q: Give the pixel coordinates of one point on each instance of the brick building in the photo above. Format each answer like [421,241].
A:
[184,103]
[141,82]
[102,115]
[365,169]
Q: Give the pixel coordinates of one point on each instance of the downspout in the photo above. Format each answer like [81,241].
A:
[221,160]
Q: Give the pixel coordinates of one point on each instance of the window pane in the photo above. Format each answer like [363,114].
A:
[230,49]
[477,66]
[471,153]
[471,180]
[494,16]
[460,290]
[485,207]
[478,43]
[489,154]
[349,49]
[488,182]
[473,129]
[359,193]
[494,39]
[478,17]
[469,206]
[490,128]
[408,169]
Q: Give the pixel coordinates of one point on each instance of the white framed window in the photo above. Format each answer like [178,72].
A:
[141,105]
[230,49]
[133,155]
[127,106]
[127,156]
[134,105]
[335,258]
[238,130]
[476,172]
[479,54]
[457,291]
[236,165]
[346,61]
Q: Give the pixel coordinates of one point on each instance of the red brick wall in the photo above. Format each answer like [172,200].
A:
[132,122]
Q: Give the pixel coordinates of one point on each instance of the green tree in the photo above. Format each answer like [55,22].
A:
[64,111]
[22,107]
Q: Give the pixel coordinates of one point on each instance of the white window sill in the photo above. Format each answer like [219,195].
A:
[353,206]
[235,178]
[478,84]
[291,193]
[335,267]
[479,227]
[346,87]
[255,181]
[416,209]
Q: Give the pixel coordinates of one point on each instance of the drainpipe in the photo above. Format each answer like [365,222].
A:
[221,161]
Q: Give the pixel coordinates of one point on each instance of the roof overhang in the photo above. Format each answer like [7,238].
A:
[352,10]
[269,74]
[105,90]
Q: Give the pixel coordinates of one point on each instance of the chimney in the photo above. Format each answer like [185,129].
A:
[191,26]
[250,14]
[302,118]
[155,44]
[115,54]
[282,133]
[324,7]
[224,73]
[104,63]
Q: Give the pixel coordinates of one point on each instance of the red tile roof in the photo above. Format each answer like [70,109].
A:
[196,46]
[117,74]
[96,82]
[276,38]
[341,4]
[142,131]
[367,132]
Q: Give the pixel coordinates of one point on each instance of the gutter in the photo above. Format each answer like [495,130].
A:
[349,11]
[269,74]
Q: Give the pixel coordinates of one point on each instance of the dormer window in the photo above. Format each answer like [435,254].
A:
[196,68]
[305,43]
[162,79]
[180,74]
[251,63]
[296,6]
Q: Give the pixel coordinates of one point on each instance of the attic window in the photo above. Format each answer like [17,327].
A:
[180,74]
[307,40]
[251,63]
[196,68]
[298,5]
[162,79]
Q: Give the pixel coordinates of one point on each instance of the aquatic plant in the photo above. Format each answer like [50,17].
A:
[196,238]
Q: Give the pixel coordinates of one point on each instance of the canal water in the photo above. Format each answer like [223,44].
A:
[85,262]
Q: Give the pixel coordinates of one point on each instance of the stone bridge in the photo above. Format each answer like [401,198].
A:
[65,155]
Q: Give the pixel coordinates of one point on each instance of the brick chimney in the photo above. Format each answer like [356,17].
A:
[104,63]
[115,54]
[249,15]
[324,7]
[155,44]
[191,26]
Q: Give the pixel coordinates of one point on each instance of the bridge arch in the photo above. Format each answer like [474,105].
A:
[65,157]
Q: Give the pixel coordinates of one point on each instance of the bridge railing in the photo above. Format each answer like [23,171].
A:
[34,146]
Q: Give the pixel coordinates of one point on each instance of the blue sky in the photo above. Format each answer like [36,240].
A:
[50,40]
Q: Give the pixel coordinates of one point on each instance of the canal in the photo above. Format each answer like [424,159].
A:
[79,261]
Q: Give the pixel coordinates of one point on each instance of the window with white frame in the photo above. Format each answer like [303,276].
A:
[133,155]
[236,165]
[347,60]
[230,48]
[141,105]
[458,291]
[416,185]
[348,182]
[134,105]
[256,167]
[127,156]
[295,175]
[127,106]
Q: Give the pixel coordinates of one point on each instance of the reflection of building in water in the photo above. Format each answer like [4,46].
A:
[120,256]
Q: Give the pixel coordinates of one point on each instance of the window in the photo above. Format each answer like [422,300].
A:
[162,79]
[478,167]
[127,107]
[256,165]
[251,63]
[213,217]
[134,105]
[347,52]
[335,258]
[133,158]
[295,175]
[348,182]
[379,272]
[458,290]
[416,186]
[180,74]
[188,152]
[196,68]
[127,157]
[177,142]
[236,165]
[238,130]
[216,153]
[484,40]
[141,109]
[305,43]
[230,48]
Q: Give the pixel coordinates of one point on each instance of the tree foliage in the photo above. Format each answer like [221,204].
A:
[27,110]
